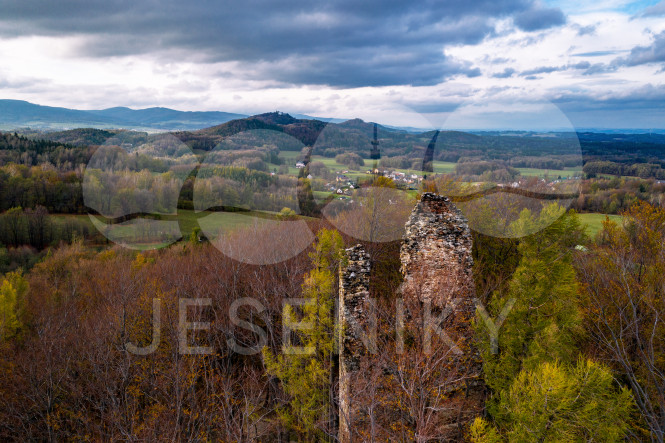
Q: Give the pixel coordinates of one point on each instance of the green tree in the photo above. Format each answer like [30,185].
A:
[305,366]
[287,214]
[494,261]
[541,389]
[560,403]
[543,316]
[15,226]
[306,198]
[12,293]
[195,235]
[482,431]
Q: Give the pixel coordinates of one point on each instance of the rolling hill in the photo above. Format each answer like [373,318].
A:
[21,114]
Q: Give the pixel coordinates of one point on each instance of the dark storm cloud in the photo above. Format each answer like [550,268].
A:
[585,30]
[638,108]
[349,68]
[596,53]
[541,70]
[538,17]
[508,72]
[656,10]
[530,74]
[640,55]
[599,68]
[340,43]
[645,97]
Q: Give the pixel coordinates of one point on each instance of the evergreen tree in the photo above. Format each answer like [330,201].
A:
[560,403]
[194,236]
[12,293]
[304,367]
[542,390]
[306,198]
[545,317]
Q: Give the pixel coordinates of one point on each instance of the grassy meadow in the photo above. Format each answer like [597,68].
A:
[594,222]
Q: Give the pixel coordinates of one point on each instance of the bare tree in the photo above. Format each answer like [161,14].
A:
[624,284]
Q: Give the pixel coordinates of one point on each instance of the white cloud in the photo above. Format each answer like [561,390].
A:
[50,70]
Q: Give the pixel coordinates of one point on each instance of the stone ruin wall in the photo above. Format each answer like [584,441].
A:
[353,305]
[437,267]
[436,255]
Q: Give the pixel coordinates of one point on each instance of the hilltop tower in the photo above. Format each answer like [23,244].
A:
[428,158]
[375,153]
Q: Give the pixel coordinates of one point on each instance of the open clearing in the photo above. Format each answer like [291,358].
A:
[594,222]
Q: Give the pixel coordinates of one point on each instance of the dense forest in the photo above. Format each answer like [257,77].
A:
[67,373]
[569,327]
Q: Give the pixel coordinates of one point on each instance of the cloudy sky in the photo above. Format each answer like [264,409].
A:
[587,64]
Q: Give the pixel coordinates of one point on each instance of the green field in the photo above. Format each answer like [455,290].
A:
[188,220]
[289,158]
[443,167]
[594,222]
[551,173]
[440,167]
[229,221]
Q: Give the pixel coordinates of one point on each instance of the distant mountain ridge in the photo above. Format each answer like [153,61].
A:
[304,130]
[261,137]
[19,113]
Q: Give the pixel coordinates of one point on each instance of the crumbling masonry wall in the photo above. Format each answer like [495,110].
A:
[353,309]
[436,255]
[437,266]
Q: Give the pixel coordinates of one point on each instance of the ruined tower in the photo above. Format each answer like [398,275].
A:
[353,313]
[375,152]
[436,264]
[428,159]
[437,267]
[436,254]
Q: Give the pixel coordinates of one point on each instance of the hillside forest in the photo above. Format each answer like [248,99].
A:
[113,242]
